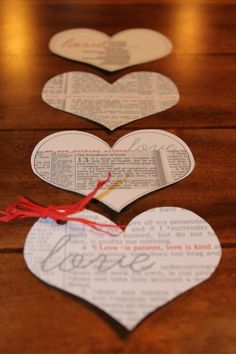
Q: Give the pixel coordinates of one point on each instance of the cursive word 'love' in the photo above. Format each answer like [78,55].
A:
[56,259]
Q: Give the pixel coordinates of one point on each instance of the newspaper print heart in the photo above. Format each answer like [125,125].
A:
[163,253]
[140,162]
[123,49]
[132,97]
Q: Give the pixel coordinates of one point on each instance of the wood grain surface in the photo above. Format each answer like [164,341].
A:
[36,318]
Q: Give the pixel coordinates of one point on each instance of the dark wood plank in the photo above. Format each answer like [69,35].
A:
[209,190]
[36,318]
[129,2]
[193,28]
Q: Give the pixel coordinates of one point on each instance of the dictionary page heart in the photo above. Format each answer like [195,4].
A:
[163,253]
[123,49]
[140,162]
[133,96]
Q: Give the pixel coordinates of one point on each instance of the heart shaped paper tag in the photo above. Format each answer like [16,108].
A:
[163,253]
[133,96]
[140,162]
[123,49]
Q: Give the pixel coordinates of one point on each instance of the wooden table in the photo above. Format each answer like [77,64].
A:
[36,318]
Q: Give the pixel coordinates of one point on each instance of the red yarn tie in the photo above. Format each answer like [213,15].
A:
[24,208]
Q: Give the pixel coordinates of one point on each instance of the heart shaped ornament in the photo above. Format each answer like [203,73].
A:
[133,96]
[123,49]
[140,162]
[162,253]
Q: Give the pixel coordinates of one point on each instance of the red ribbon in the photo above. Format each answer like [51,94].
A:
[24,208]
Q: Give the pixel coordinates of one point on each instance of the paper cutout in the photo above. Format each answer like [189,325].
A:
[140,162]
[123,49]
[163,253]
[133,96]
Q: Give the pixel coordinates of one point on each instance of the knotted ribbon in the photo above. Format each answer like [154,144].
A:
[24,208]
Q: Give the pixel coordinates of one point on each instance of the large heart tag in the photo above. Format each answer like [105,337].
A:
[126,48]
[133,96]
[163,253]
[140,162]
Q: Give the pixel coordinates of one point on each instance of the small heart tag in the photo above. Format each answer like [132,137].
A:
[140,162]
[133,96]
[163,253]
[123,49]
